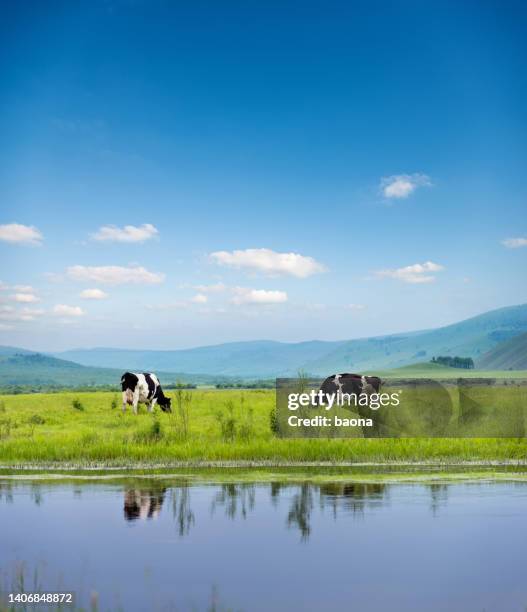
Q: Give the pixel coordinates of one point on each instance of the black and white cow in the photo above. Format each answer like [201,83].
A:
[145,389]
[355,384]
[351,384]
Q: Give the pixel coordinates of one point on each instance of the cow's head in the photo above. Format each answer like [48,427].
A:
[166,404]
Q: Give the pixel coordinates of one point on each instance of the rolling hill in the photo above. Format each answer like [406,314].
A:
[509,355]
[260,358]
[19,368]
[469,338]
[266,359]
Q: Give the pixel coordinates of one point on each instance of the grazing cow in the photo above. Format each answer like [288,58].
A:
[351,384]
[357,385]
[145,389]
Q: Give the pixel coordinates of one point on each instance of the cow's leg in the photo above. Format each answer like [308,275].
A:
[125,395]
[135,400]
[152,405]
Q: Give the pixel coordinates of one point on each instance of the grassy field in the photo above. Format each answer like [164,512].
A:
[82,429]
[438,371]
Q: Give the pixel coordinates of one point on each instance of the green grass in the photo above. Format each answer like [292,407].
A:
[438,371]
[51,429]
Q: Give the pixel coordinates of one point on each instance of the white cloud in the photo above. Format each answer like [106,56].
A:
[24,288]
[115,275]
[93,294]
[269,262]
[215,288]
[415,274]
[26,298]
[401,186]
[244,295]
[64,310]
[8,313]
[4,327]
[199,298]
[356,307]
[28,314]
[515,243]
[17,233]
[128,233]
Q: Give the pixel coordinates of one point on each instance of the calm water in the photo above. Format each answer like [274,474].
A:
[164,545]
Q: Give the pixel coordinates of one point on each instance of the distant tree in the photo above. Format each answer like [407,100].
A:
[464,363]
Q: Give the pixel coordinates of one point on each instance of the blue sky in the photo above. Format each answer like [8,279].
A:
[178,174]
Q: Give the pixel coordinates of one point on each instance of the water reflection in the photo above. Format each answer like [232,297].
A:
[236,499]
[6,492]
[438,497]
[300,510]
[354,497]
[182,512]
[143,503]
[244,537]
[8,488]
[146,500]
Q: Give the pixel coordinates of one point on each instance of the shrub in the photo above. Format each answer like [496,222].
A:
[152,433]
[77,404]
[181,416]
[273,420]
[5,428]
[36,419]
[156,431]
[246,429]
[114,403]
[227,423]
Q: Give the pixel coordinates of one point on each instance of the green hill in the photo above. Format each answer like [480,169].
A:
[470,338]
[19,368]
[421,370]
[441,372]
[509,355]
[265,359]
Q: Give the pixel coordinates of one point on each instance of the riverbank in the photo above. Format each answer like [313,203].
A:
[371,473]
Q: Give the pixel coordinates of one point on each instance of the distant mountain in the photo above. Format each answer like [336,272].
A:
[25,369]
[509,355]
[12,350]
[265,359]
[259,358]
[470,338]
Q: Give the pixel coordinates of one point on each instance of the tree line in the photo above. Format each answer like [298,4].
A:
[465,363]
